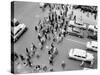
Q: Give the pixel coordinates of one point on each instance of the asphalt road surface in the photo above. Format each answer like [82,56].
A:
[30,14]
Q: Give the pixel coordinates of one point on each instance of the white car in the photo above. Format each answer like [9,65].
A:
[75,32]
[92,45]
[93,28]
[80,54]
[72,23]
[79,25]
[83,26]
[17,29]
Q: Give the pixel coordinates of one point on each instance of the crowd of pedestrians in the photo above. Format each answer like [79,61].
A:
[51,28]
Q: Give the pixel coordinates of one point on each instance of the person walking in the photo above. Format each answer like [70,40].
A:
[33,46]
[82,64]
[63,65]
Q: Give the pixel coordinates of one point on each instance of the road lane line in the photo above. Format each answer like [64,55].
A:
[76,41]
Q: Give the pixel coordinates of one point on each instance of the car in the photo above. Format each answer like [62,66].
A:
[92,45]
[82,26]
[17,29]
[93,36]
[79,25]
[80,54]
[92,32]
[92,28]
[87,69]
[74,31]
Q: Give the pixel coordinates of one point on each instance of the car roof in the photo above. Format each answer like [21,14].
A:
[79,52]
[92,26]
[94,43]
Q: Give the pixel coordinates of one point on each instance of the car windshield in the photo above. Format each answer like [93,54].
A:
[83,57]
[77,55]
[80,56]
[94,46]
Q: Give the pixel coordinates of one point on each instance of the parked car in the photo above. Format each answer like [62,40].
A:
[82,26]
[80,54]
[74,31]
[87,69]
[92,28]
[92,45]
[79,25]
[17,29]
[93,35]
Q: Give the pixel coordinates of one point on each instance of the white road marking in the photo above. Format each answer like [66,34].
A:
[76,41]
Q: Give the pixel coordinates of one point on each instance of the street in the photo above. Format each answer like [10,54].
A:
[30,14]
